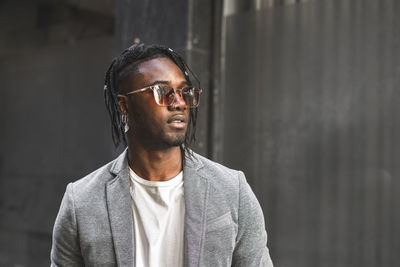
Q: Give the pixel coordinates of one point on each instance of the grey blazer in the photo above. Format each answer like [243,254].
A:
[224,224]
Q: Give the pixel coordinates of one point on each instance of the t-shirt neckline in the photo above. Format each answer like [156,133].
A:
[171,182]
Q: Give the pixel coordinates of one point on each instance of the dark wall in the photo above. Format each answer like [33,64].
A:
[310,112]
[160,22]
[54,126]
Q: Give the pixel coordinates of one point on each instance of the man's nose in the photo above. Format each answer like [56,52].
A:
[178,102]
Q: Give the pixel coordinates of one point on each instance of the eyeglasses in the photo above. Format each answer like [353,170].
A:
[164,95]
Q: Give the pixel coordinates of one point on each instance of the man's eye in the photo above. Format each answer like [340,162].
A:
[167,90]
[187,91]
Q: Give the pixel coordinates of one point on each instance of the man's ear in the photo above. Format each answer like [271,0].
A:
[123,104]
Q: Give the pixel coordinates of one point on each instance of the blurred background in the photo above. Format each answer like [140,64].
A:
[301,95]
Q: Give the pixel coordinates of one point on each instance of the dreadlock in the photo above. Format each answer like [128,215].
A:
[124,65]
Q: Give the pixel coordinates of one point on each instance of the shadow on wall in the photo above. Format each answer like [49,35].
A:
[52,60]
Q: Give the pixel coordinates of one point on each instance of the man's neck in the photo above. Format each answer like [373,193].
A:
[155,164]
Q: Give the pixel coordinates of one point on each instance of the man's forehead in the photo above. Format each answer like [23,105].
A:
[162,69]
[155,71]
[133,68]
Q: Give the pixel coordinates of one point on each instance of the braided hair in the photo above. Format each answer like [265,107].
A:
[123,66]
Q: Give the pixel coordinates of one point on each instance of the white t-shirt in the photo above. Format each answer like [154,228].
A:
[159,215]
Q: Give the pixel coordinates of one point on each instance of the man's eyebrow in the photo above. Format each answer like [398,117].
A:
[168,82]
[159,82]
[185,83]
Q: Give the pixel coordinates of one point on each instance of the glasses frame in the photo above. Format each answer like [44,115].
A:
[152,87]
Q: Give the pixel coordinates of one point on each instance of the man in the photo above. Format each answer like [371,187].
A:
[158,203]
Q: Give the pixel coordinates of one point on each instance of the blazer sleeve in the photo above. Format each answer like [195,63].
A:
[251,241]
[65,249]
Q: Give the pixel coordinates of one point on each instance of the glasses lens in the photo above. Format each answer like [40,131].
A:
[191,96]
[163,94]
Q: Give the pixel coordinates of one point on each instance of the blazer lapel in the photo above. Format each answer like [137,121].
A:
[195,192]
[120,212]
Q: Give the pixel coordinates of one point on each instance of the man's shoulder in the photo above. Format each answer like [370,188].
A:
[213,166]
[98,176]
[93,183]
[217,173]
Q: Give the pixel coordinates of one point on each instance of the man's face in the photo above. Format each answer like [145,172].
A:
[151,124]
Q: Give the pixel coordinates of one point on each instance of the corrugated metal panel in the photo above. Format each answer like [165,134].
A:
[310,113]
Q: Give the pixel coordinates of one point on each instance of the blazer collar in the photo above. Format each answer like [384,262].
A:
[120,212]
[120,163]
[196,189]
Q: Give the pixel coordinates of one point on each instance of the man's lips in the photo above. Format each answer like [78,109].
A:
[178,120]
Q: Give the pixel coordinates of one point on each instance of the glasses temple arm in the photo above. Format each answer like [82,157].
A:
[139,90]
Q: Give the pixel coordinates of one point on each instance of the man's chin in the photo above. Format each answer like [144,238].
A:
[175,140]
